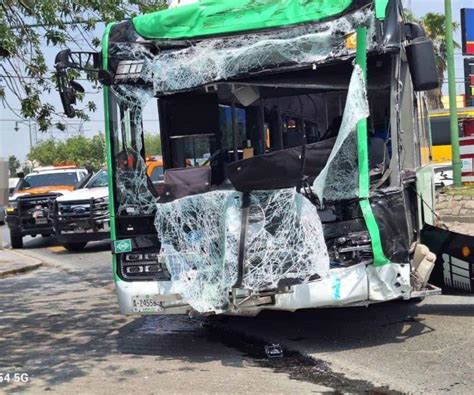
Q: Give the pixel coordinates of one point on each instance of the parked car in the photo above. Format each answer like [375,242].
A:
[29,208]
[83,215]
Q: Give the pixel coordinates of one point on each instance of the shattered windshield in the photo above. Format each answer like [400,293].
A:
[339,179]
[275,236]
[224,58]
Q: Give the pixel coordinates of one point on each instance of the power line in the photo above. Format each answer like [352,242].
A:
[44,25]
[90,121]
[35,78]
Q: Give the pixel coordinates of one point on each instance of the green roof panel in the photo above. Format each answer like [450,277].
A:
[214,17]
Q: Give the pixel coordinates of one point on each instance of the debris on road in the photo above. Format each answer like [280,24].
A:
[274,351]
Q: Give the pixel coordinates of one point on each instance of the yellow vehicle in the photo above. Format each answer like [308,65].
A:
[29,207]
[440,132]
[154,168]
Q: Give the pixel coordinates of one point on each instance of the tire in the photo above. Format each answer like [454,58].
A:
[78,246]
[16,240]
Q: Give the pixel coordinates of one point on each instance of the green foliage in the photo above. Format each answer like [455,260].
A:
[13,165]
[79,150]
[152,144]
[28,26]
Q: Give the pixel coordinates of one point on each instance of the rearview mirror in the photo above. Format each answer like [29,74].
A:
[68,94]
[422,63]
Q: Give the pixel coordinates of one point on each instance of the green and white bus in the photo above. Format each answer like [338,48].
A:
[292,135]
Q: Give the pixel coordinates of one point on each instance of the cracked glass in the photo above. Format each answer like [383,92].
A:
[221,59]
[339,178]
[201,237]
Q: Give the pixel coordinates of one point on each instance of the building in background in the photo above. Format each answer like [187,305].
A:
[467,27]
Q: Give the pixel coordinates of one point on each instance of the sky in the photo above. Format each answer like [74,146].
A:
[17,142]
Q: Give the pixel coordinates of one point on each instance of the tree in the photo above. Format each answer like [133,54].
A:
[78,150]
[13,165]
[434,25]
[28,26]
[152,144]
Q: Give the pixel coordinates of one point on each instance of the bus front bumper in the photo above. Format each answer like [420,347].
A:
[352,286]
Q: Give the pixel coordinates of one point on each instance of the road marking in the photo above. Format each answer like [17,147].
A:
[57,249]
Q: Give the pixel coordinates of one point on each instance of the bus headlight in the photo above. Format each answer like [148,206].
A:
[146,263]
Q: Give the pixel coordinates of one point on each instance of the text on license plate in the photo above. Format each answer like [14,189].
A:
[41,221]
[146,304]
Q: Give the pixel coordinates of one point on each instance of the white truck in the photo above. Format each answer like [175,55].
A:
[83,215]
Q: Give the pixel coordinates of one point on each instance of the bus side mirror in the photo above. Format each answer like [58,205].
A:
[422,63]
[20,175]
[68,91]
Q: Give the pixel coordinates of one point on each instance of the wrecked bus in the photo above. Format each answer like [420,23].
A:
[296,151]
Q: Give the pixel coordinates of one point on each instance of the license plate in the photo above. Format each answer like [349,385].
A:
[41,221]
[146,304]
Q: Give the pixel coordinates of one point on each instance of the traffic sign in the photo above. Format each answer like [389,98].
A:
[467,29]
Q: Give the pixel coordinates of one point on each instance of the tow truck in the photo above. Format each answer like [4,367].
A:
[29,208]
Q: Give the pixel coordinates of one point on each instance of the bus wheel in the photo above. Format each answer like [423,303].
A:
[16,240]
[74,246]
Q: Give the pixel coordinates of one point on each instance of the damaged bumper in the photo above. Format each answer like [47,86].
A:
[356,285]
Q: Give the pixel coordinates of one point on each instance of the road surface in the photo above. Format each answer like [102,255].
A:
[60,324]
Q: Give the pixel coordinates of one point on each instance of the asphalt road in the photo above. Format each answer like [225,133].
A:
[397,346]
[93,263]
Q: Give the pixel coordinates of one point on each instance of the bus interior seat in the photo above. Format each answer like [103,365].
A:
[279,169]
[183,182]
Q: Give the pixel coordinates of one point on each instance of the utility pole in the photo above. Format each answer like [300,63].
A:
[457,164]
[31,139]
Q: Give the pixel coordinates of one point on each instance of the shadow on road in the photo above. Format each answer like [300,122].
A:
[56,329]
[53,328]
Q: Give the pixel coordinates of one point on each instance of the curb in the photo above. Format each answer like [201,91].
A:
[25,269]
[455,218]
[52,262]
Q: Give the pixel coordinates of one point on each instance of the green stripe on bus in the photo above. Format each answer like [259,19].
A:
[108,145]
[363,159]
[381,8]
